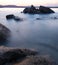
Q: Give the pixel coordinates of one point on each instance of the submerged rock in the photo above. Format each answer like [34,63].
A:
[16,18]
[38,18]
[41,10]
[4,32]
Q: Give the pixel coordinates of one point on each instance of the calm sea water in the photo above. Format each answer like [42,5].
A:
[41,35]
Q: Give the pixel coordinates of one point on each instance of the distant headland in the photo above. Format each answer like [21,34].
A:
[15,6]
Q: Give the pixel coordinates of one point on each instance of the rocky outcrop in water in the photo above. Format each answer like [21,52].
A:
[45,10]
[16,56]
[41,10]
[11,16]
[4,32]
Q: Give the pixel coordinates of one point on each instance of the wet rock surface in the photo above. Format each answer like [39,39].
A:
[41,10]
[16,56]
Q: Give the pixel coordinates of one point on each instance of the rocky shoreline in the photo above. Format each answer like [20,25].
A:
[17,56]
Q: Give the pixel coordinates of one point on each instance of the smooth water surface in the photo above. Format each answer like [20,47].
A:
[41,34]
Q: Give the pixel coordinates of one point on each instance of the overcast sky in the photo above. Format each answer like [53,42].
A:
[28,2]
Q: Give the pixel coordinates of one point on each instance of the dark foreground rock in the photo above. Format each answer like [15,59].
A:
[9,55]
[41,10]
[37,60]
[16,56]
[4,32]
[11,16]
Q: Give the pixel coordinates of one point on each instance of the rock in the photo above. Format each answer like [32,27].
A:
[29,52]
[12,55]
[45,10]
[16,18]
[37,60]
[11,16]
[54,18]
[38,19]
[30,10]
[16,56]
[4,32]
[41,10]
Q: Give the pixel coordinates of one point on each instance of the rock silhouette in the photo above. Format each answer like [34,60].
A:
[41,10]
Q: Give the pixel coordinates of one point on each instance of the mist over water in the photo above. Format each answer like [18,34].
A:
[41,34]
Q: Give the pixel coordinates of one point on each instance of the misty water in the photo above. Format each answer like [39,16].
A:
[41,34]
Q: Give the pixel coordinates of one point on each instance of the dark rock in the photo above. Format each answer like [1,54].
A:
[30,10]
[16,18]
[41,10]
[29,52]
[38,19]
[2,61]
[45,10]
[11,55]
[11,16]
[4,32]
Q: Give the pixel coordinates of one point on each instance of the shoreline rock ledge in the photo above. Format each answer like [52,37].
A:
[16,56]
[4,33]
[40,10]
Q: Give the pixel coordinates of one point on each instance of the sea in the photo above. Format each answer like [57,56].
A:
[35,31]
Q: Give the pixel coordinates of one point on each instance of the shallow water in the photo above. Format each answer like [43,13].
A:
[41,34]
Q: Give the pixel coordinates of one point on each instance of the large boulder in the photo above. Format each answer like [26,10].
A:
[16,56]
[45,10]
[41,10]
[4,32]
[12,55]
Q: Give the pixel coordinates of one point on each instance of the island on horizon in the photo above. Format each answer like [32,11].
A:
[15,6]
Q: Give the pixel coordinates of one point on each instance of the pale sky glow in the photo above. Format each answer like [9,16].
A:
[28,2]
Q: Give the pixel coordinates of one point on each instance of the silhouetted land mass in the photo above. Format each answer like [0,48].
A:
[15,6]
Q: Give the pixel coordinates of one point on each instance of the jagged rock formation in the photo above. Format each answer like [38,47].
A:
[41,10]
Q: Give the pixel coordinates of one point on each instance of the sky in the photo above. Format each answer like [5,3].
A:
[28,2]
